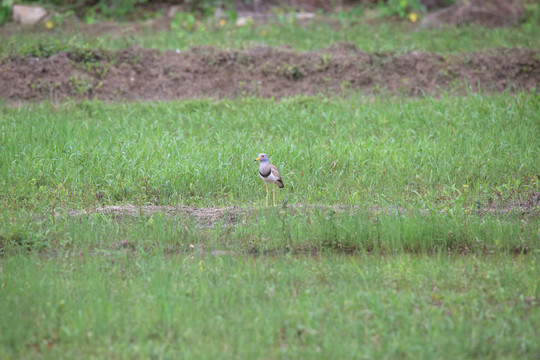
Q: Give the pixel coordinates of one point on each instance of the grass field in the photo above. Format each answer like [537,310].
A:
[123,306]
[387,37]
[407,228]
[164,286]
[419,153]
[382,37]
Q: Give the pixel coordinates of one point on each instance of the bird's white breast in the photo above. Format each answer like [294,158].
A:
[270,178]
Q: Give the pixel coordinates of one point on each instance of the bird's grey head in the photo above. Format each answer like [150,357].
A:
[262,158]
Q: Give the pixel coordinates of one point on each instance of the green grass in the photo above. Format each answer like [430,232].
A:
[419,170]
[394,37]
[436,280]
[149,286]
[407,268]
[272,231]
[123,306]
[399,37]
[439,154]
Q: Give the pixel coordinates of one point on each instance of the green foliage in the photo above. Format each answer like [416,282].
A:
[80,85]
[183,20]
[5,10]
[401,8]
[44,47]
[118,8]
[205,7]
[532,15]
[44,50]
[355,13]
[90,10]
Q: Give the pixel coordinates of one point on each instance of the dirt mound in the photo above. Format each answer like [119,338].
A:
[203,216]
[145,74]
[233,215]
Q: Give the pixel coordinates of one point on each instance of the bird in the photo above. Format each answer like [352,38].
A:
[270,174]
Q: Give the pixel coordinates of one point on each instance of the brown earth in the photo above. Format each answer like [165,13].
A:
[233,215]
[206,72]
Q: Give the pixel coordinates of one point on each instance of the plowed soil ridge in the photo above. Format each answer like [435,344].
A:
[205,72]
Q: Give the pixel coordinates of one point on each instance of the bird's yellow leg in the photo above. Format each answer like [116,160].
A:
[274,192]
[266,194]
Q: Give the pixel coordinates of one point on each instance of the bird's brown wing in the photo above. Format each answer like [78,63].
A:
[276,174]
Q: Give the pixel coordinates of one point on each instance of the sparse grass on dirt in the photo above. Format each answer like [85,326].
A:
[208,60]
[144,74]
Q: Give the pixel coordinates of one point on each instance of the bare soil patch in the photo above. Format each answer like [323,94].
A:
[204,216]
[233,215]
[206,72]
